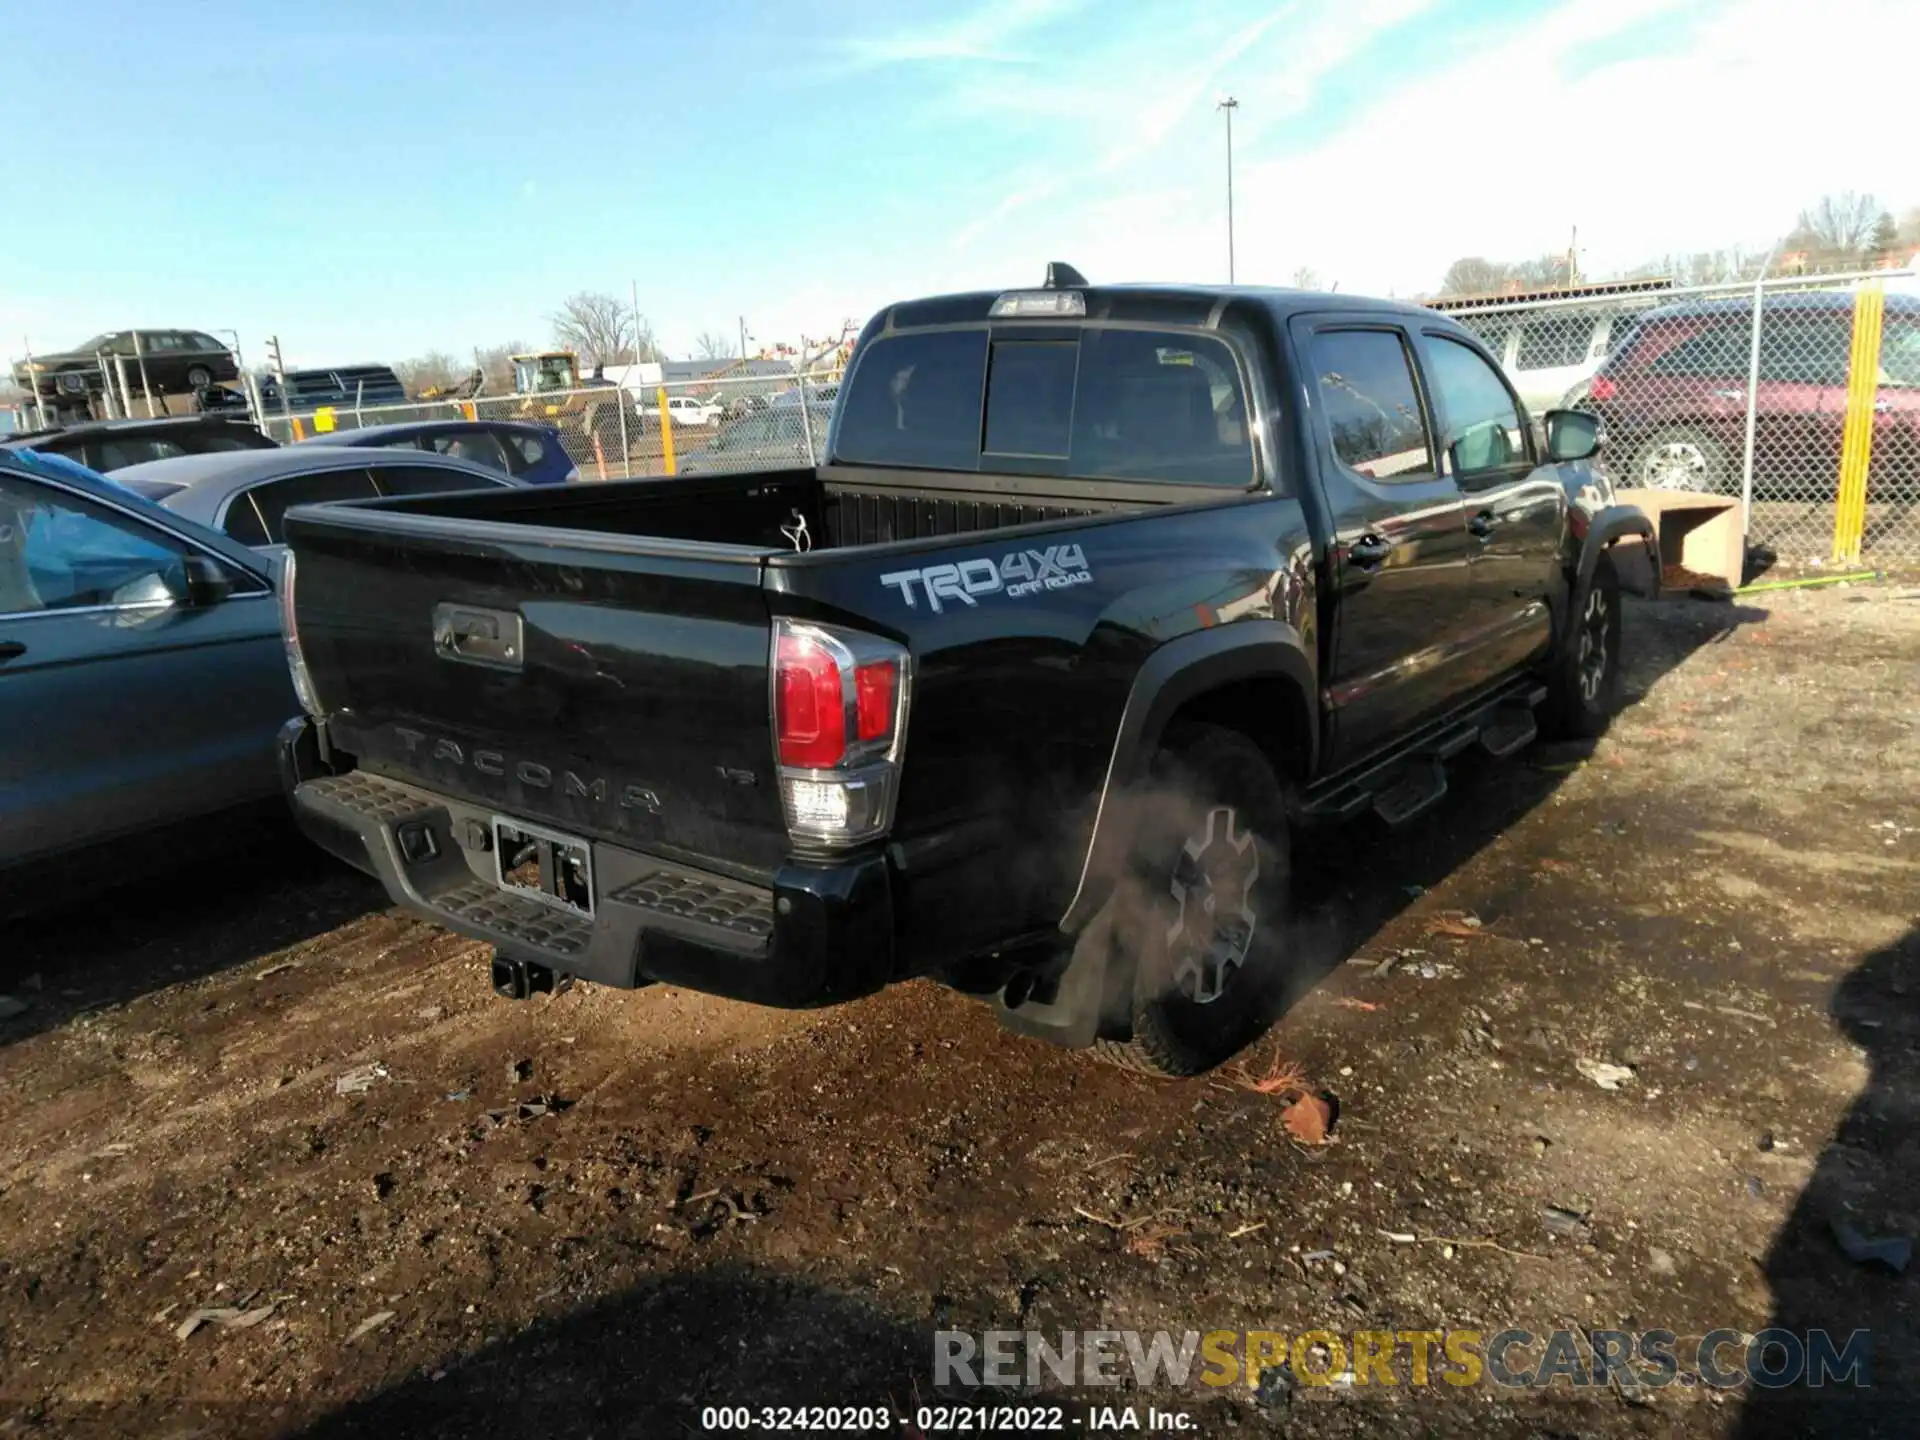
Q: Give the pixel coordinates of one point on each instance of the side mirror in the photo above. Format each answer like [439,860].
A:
[1573,435]
[208,581]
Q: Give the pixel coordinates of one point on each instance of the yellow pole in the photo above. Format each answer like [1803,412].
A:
[1856,436]
[666,430]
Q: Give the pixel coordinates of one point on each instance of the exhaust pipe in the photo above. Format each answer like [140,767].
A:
[517,979]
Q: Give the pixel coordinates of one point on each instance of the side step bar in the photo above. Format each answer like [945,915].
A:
[1410,782]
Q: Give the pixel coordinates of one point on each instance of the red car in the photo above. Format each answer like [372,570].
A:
[1673,394]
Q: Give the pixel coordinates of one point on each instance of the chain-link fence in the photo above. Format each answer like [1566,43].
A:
[1776,393]
[611,432]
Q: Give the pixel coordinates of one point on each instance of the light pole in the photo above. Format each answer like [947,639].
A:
[1229,105]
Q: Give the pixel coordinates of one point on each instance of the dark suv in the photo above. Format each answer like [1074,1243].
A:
[174,362]
[1673,395]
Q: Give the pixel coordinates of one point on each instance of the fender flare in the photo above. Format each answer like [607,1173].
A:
[1615,522]
[1177,672]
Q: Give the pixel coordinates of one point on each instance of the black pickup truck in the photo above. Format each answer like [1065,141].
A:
[1101,594]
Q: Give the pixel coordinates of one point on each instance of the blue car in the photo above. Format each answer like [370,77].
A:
[532,454]
[142,674]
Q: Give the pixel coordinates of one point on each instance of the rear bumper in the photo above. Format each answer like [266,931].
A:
[818,935]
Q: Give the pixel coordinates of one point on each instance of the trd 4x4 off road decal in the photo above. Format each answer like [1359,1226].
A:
[1022,572]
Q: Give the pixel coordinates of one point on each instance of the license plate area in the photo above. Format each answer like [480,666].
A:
[543,865]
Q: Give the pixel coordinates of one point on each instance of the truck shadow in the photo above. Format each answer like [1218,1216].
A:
[1866,1182]
[648,1361]
[1352,883]
[208,905]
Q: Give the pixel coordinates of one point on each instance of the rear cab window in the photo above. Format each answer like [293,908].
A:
[1090,402]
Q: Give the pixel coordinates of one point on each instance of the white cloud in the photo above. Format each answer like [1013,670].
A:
[1122,102]
[986,33]
[1715,141]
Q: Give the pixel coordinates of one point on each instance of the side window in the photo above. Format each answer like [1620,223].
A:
[118,454]
[1553,342]
[205,343]
[529,449]
[1900,356]
[276,497]
[242,521]
[477,446]
[1482,423]
[1364,380]
[414,442]
[61,552]
[426,480]
[1804,349]
[1717,352]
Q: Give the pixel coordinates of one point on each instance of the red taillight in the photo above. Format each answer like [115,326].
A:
[874,694]
[1602,389]
[840,726]
[809,705]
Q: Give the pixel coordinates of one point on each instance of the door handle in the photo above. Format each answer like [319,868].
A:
[11,650]
[1482,525]
[1369,551]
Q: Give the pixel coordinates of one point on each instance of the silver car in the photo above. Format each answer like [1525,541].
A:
[245,494]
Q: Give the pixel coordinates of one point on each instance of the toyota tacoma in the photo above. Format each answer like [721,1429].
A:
[1099,596]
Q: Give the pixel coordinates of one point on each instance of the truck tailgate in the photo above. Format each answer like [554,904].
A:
[610,688]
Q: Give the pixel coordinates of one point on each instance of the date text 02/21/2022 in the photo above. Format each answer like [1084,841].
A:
[948,1419]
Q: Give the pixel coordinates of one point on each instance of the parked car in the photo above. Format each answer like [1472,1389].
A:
[1673,395]
[244,496]
[771,438]
[532,454]
[176,362]
[345,387]
[1096,609]
[683,410]
[109,445]
[141,674]
[1548,351]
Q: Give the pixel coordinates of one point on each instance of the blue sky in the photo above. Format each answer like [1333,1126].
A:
[373,180]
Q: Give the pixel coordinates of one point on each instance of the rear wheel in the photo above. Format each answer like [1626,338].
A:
[199,377]
[1683,458]
[1201,918]
[1584,690]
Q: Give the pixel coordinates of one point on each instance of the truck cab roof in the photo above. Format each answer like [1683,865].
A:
[1137,303]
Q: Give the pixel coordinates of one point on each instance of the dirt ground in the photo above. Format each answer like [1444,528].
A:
[595,1214]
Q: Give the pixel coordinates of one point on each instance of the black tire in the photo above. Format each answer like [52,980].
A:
[1681,457]
[1583,691]
[1212,802]
[199,377]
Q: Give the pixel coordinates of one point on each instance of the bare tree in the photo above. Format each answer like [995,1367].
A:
[715,347]
[435,369]
[1473,275]
[1909,228]
[600,328]
[1838,225]
[1306,278]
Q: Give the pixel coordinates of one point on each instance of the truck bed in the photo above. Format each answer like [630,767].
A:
[751,513]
